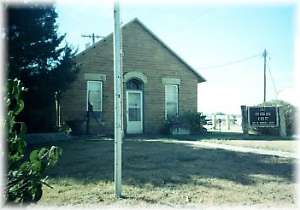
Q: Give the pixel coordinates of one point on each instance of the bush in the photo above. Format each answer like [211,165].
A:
[24,172]
[193,121]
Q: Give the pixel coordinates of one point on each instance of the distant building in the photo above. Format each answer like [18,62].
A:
[222,121]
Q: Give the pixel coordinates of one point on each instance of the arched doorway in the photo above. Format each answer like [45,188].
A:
[134,106]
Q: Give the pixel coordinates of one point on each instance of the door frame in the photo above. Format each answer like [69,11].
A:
[142,110]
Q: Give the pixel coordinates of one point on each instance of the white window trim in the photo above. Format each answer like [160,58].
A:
[94,76]
[87,94]
[170,81]
[166,99]
[134,74]
[142,107]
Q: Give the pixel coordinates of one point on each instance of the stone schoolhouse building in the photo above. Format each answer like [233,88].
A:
[157,84]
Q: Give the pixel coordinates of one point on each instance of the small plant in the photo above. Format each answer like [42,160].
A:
[193,121]
[196,121]
[24,170]
[65,129]
[76,126]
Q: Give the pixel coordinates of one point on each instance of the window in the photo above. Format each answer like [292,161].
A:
[134,84]
[134,106]
[94,96]
[171,97]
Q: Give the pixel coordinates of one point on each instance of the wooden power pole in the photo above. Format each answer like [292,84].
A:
[265,80]
[118,133]
[92,36]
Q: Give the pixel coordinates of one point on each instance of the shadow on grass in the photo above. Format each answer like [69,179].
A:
[166,164]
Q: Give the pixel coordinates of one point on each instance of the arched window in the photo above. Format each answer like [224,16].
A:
[134,84]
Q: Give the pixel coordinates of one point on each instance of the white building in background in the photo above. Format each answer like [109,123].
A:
[224,122]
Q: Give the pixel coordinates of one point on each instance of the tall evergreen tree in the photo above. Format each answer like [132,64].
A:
[38,57]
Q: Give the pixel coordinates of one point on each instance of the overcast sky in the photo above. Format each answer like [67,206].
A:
[206,36]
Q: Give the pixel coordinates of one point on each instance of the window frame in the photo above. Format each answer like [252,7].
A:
[177,107]
[101,94]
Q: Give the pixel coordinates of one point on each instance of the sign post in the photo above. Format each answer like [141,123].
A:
[118,134]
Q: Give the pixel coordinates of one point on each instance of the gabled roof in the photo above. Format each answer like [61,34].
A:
[135,20]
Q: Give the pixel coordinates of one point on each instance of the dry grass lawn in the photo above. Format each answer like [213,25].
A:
[278,145]
[168,174]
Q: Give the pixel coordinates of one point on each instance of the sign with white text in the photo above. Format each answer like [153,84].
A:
[263,116]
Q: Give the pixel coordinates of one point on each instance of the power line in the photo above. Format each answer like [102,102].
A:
[231,62]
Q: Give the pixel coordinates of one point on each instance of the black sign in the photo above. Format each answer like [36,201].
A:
[263,116]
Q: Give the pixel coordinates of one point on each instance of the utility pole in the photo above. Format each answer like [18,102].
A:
[265,65]
[93,36]
[117,102]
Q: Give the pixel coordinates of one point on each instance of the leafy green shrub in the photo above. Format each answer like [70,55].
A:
[24,172]
[291,114]
[193,121]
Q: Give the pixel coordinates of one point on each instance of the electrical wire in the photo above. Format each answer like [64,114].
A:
[231,63]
